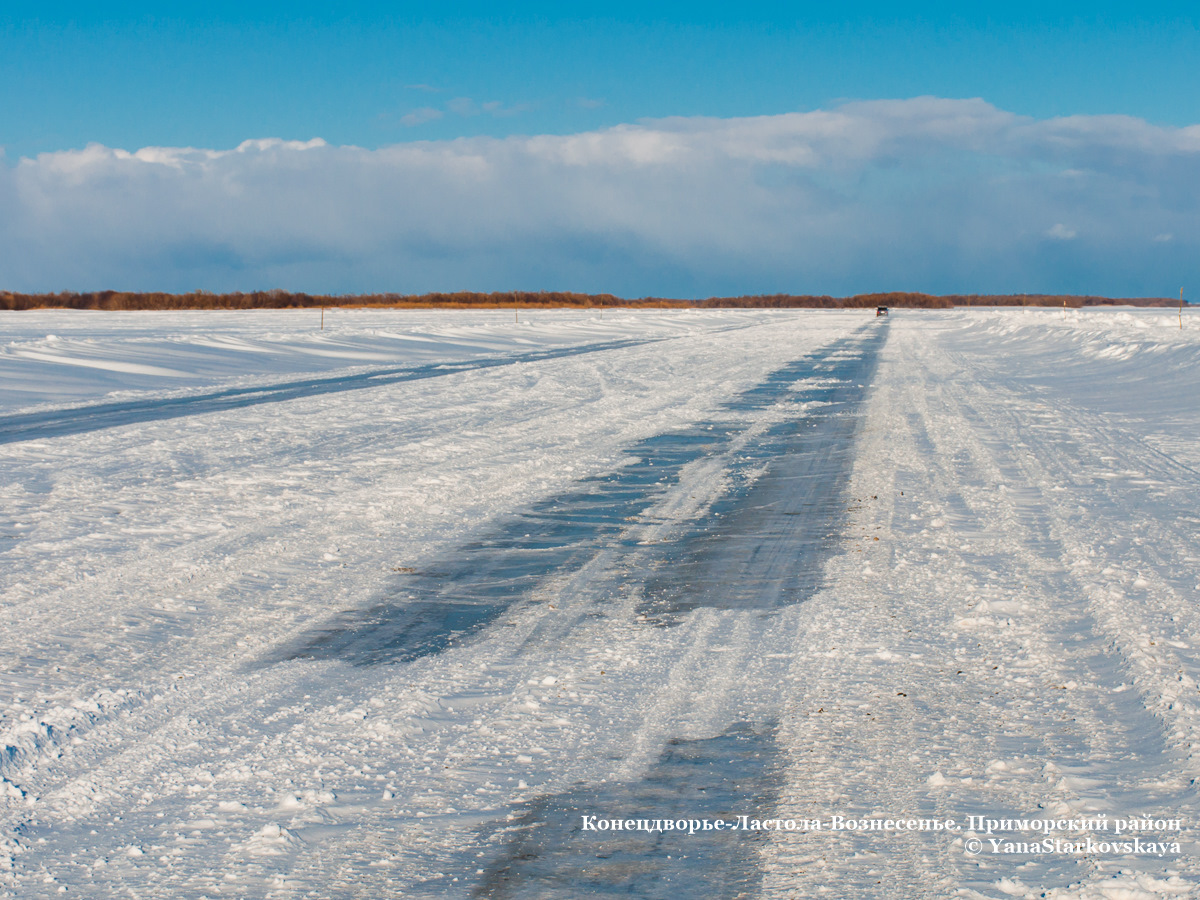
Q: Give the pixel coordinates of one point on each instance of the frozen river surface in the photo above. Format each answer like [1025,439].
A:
[435,604]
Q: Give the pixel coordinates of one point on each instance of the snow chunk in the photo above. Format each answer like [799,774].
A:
[271,840]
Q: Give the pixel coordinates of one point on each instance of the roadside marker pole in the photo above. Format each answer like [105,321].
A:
[1181,309]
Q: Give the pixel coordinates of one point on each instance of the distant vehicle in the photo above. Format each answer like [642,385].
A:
[881,310]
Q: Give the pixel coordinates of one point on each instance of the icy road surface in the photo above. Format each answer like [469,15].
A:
[405,607]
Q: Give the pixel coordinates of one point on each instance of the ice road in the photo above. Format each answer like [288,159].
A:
[658,604]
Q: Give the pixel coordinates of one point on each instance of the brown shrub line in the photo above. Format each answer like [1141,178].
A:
[279,299]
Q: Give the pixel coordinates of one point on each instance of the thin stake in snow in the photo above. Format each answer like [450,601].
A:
[1181,309]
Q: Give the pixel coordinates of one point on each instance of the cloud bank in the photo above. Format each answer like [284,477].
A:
[922,194]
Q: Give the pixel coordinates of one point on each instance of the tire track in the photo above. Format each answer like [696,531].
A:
[98,416]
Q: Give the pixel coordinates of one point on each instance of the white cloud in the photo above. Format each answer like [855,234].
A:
[926,193]
[420,116]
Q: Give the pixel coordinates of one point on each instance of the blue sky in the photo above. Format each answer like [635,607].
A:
[214,75]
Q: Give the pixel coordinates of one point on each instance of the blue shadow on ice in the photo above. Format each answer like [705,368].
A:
[545,850]
[761,546]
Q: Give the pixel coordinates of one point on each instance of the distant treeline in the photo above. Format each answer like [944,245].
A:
[278,299]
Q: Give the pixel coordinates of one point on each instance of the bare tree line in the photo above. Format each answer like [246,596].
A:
[280,299]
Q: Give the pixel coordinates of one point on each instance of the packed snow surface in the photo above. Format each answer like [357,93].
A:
[421,604]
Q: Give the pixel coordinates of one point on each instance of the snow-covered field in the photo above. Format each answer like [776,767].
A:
[393,608]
